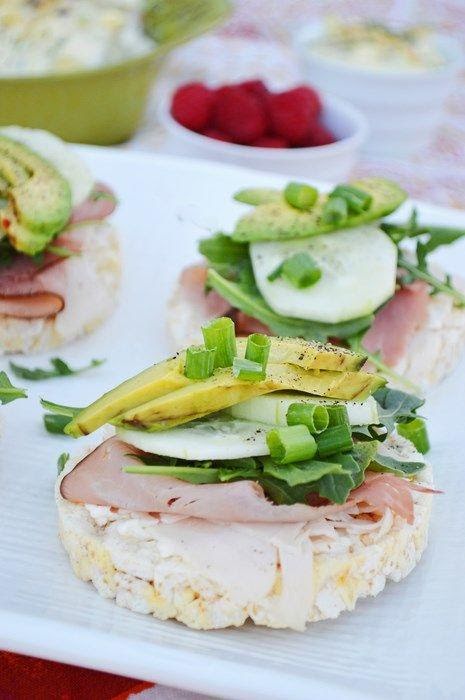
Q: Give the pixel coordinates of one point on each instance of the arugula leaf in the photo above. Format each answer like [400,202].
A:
[61,463]
[302,472]
[281,493]
[363,454]
[334,487]
[220,248]
[59,408]
[239,473]
[386,463]
[8,392]
[56,423]
[396,406]
[193,475]
[244,295]
[421,272]
[59,368]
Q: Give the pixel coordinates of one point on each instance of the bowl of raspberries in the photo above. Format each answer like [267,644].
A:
[294,131]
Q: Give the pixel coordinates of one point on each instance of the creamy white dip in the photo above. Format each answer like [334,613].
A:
[58,36]
[378,48]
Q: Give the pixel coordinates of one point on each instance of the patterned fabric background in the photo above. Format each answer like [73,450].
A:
[256,41]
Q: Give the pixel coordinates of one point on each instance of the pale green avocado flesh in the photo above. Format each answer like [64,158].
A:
[38,198]
[273,219]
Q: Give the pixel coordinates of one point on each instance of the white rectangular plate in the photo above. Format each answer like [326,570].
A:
[407,643]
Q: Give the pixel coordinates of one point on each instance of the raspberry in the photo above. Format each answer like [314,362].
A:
[293,113]
[218,135]
[192,106]
[271,142]
[239,114]
[321,136]
[255,87]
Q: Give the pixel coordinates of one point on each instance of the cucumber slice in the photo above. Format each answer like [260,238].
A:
[59,154]
[221,437]
[272,408]
[277,220]
[358,274]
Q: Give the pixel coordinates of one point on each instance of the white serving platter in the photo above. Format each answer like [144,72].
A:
[407,643]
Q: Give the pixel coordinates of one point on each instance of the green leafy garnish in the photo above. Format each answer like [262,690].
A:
[8,392]
[61,462]
[58,408]
[396,407]
[244,295]
[59,368]
[386,463]
[55,423]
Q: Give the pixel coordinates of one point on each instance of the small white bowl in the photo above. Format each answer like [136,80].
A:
[403,108]
[332,162]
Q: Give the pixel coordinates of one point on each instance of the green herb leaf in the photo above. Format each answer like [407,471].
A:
[8,392]
[396,407]
[302,472]
[422,273]
[386,463]
[59,368]
[194,475]
[244,295]
[58,408]
[61,462]
[220,248]
[55,423]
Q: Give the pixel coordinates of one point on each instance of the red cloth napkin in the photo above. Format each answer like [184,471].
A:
[26,678]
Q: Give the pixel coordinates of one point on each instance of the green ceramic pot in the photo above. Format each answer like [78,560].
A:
[102,106]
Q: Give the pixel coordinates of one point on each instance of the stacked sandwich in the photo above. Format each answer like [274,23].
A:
[266,478]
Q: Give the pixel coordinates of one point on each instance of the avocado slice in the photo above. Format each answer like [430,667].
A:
[277,220]
[310,354]
[223,390]
[38,198]
[168,376]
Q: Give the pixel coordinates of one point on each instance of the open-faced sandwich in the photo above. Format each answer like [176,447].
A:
[59,256]
[325,266]
[265,478]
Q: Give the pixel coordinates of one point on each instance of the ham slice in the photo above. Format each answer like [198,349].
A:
[247,324]
[99,480]
[192,283]
[100,204]
[397,322]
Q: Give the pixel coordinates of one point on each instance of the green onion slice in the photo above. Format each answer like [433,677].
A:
[357,200]
[292,444]
[312,415]
[338,415]
[200,362]
[276,273]
[333,440]
[300,196]
[301,270]
[258,349]
[335,211]
[416,432]
[248,370]
[220,334]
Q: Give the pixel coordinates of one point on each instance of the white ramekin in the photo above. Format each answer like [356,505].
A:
[403,108]
[332,162]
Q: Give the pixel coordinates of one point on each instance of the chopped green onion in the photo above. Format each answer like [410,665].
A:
[258,349]
[291,444]
[300,196]
[220,334]
[312,415]
[56,423]
[416,432]
[335,211]
[200,362]
[338,415]
[336,439]
[248,370]
[357,200]
[276,273]
[301,270]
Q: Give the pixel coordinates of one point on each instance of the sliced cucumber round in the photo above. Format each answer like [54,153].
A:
[221,437]
[59,154]
[358,268]
[272,408]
